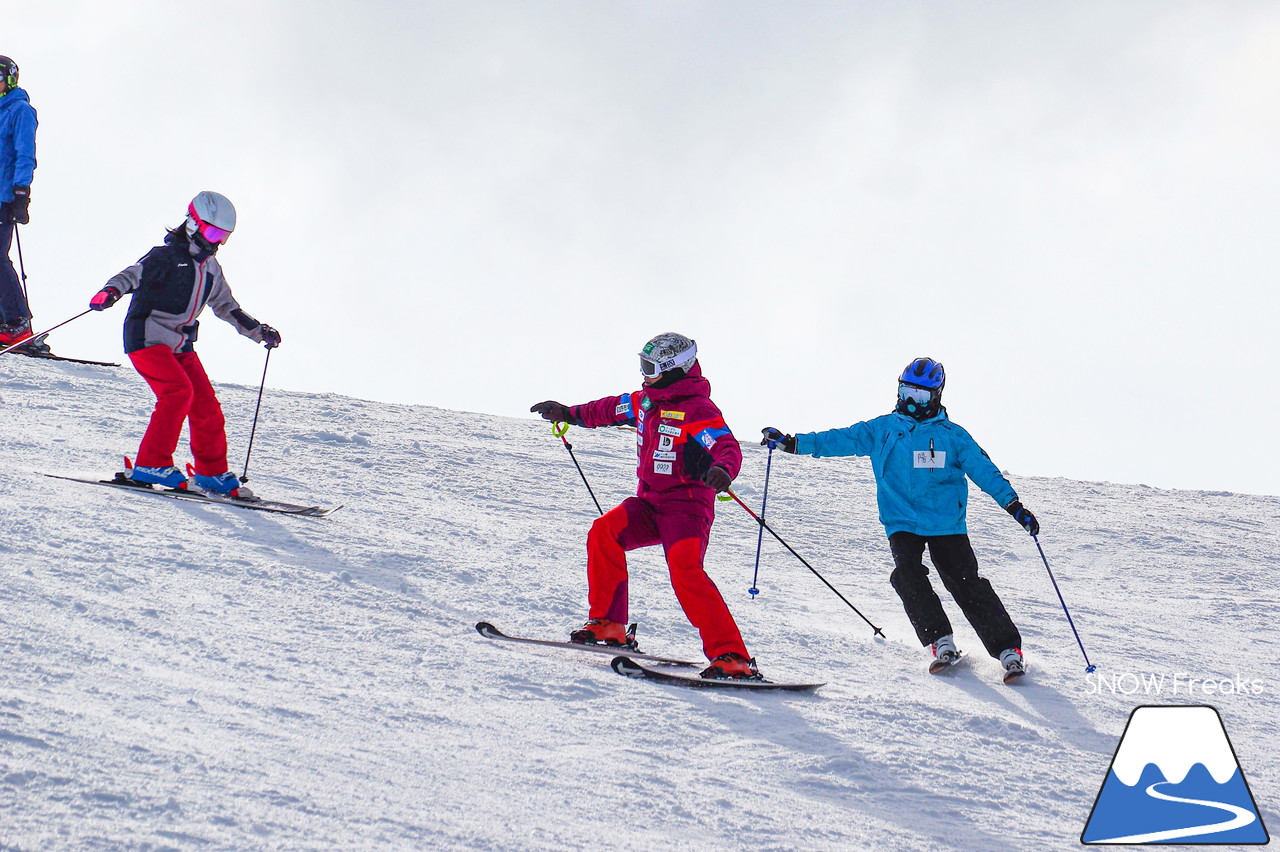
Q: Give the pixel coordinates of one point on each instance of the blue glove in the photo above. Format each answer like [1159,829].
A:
[778,438]
[1024,517]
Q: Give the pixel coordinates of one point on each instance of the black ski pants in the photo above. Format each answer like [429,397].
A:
[956,564]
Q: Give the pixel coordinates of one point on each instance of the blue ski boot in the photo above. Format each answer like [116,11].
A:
[226,484]
[169,477]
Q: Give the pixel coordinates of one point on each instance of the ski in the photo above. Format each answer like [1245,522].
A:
[239,502]
[1015,676]
[488,631]
[49,356]
[941,667]
[630,668]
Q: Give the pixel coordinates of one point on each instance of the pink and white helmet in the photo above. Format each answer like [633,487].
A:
[212,216]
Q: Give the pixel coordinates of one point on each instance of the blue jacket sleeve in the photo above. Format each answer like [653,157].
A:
[24,143]
[855,440]
[979,467]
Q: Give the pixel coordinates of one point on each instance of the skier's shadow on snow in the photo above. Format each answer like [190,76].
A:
[286,546]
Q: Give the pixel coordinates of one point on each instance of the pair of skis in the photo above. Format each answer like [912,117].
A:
[626,661]
[252,503]
[940,667]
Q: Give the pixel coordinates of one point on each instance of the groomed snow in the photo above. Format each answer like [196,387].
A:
[182,676]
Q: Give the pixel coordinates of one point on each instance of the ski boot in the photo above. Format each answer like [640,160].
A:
[602,631]
[945,654]
[15,332]
[1014,666]
[223,485]
[169,477]
[732,666]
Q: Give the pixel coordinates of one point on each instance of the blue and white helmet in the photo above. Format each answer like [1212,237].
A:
[920,389]
[667,351]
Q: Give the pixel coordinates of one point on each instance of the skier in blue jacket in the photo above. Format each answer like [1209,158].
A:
[921,460]
[17,164]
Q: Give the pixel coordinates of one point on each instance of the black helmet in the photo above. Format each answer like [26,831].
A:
[8,73]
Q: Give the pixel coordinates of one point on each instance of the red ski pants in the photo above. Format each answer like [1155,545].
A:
[683,532]
[183,393]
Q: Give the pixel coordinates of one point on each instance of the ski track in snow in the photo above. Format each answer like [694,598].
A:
[184,676]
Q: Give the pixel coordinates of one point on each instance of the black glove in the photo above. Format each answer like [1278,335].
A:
[104,298]
[787,442]
[270,337]
[556,412]
[1023,517]
[718,478]
[21,198]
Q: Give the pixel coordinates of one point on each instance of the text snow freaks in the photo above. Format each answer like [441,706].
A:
[1177,683]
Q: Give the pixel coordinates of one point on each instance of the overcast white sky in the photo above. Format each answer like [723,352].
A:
[479,205]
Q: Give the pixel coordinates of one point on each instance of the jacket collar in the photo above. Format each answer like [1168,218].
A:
[693,384]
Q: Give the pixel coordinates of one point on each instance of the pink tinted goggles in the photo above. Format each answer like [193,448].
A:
[212,233]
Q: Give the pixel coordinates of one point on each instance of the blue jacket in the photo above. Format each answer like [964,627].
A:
[920,469]
[17,142]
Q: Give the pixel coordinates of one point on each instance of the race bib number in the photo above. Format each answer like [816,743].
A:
[930,458]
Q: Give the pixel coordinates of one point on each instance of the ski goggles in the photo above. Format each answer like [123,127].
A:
[911,393]
[649,368]
[212,233]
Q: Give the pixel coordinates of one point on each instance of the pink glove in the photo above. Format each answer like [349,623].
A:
[104,298]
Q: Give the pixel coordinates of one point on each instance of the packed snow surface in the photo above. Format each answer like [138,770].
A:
[185,676]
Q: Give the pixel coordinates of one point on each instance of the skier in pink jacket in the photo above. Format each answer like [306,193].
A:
[686,455]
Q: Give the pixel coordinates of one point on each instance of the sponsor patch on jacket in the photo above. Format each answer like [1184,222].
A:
[666,442]
[673,431]
[624,407]
[671,415]
[707,437]
[930,458]
[661,456]
[662,467]
[646,403]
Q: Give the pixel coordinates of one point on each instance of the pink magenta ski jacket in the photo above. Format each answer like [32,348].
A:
[680,434]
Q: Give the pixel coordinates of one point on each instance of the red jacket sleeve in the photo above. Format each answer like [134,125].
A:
[713,434]
[608,411]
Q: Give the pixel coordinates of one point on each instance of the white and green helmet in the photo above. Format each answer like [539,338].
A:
[668,351]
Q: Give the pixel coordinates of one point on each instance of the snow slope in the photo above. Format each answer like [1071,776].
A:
[182,676]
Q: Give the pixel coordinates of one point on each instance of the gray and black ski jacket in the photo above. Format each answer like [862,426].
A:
[171,285]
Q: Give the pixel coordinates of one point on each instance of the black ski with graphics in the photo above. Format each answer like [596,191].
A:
[488,631]
[630,668]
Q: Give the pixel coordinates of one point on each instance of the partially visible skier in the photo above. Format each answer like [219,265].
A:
[171,285]
[686,455]
[17,167]
[920,459]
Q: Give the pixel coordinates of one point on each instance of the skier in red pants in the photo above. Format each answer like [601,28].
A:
[686,454]
[171,286]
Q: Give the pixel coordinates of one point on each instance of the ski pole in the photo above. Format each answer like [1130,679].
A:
[764,505]
[244,472]
[33,338]
[560,430]
[22,267]
[763,525]
[1089,667]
